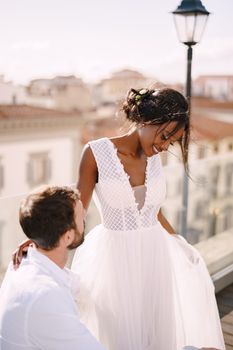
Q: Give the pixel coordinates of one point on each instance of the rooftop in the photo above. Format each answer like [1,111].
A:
[204,128]
[206,77]
[25,111]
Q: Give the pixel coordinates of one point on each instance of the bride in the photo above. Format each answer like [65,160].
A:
[143,287]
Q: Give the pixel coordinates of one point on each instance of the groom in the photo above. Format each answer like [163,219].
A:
[37,308]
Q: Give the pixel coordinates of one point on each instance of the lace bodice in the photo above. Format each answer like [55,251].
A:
[114,195]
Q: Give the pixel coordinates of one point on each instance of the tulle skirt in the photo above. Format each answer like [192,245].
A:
[146,290]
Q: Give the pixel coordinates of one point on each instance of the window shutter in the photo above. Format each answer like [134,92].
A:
[29,173]
[48,169]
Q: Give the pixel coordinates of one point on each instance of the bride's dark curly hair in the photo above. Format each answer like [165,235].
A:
[157,107]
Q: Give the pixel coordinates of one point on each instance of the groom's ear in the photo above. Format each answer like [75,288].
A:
[67,238]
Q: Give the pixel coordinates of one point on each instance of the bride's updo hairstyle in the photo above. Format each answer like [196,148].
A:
[157,107]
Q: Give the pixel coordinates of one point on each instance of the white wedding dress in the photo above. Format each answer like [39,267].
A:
[141,288]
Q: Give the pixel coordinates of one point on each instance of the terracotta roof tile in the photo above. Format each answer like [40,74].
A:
[206,77]
[203,128]
[25,111]
[199,102]
[210,129]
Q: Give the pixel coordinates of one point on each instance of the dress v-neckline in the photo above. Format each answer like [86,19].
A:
[127,177]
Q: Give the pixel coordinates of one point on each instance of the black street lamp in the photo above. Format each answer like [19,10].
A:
[190,19]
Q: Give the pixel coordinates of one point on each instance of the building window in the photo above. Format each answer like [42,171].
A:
[214,177]
[201,181]
[213,221]
[228,218]
[201,152]
[215,148]
[230,147]
[229,178]
[178,220]
[200,210]
[1,175]
[38,169]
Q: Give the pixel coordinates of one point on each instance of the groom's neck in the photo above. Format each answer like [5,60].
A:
[58,255]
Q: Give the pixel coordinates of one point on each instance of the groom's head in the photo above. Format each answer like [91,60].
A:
[50,214]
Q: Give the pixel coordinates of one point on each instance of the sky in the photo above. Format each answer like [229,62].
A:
[90,38]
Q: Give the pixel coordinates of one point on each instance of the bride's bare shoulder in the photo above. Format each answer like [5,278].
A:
[117,140]
[87,157]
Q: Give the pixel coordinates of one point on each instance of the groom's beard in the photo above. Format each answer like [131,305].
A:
[78,239]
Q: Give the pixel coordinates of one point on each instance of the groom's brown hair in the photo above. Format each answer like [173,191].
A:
[46,214]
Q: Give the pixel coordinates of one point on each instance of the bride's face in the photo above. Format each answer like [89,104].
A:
[158,138]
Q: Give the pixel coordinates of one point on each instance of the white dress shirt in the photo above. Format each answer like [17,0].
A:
[37,308]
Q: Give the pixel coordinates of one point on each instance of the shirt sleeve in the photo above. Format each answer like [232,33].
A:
[54,324]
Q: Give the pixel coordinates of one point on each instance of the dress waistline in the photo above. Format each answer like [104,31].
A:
[141,229]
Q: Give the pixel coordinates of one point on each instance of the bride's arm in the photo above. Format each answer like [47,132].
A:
[87,176]
[20,252]
[163,221]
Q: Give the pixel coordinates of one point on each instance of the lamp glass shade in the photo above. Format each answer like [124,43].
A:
[190,26]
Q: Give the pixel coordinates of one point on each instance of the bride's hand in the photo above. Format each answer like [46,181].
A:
[20,252]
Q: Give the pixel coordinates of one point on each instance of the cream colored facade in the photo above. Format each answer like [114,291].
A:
[115,88]
[73,97]
[210,205]
[219,87]
[34,150]
[66,93]
[11,93]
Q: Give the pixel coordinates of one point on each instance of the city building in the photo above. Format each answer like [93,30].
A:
[11,93]
[37,146]
[210,208]
[219,87]
[114,88]
[66,93]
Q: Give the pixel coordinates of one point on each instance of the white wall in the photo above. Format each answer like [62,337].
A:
[15,155]
[9,91]
[218,88]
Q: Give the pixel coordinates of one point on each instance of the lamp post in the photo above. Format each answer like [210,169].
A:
[190,19]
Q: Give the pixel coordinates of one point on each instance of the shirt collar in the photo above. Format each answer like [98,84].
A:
[62,276]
